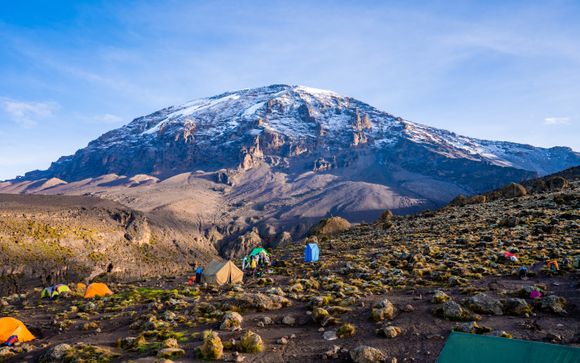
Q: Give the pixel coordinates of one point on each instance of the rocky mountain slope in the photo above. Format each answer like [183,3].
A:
[267,163]
[44,239]
[393,289]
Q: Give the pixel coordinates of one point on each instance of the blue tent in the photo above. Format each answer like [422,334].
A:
[311,252]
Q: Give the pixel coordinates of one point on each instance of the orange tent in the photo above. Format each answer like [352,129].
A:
[10,327]
[97,289]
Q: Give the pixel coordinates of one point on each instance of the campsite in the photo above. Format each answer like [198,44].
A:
[383,292]
[391,291]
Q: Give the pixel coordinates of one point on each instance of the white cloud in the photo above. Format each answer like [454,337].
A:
[557,121]
[108,118]
[28,113]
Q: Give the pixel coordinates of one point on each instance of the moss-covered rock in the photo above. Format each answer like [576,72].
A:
[251,343]
[212,347]
[346,330]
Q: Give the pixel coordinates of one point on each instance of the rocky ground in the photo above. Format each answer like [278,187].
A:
[390,291]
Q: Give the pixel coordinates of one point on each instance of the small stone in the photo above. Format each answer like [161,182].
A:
[289,320]
[283,341]
[391,331]
[330,335]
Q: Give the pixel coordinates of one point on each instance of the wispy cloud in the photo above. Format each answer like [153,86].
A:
[557,121]
[26,113]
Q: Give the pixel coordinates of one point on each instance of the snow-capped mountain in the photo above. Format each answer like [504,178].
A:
[264,164]
[294,128]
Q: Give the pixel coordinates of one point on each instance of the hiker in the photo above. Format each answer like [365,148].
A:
[253,265]
[523,273]
[198,273]
[553,265]
[244,263]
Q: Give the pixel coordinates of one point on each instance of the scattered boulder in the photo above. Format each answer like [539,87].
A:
[318,314]
[513,190]
[171,353]
[262,302]
[232,321]
[472,327]
[484,304]
[57,354]
[383,310]
[251,343]
[330,226]
[212,347]
[516,306]
[346,330]
[557,183]
[366,354]
[554,304]
[288,320]
[6,352]
[453,311]
[440,297]
[390,331]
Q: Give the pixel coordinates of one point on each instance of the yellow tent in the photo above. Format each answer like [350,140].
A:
[97,289]
[222,273]
[10,327]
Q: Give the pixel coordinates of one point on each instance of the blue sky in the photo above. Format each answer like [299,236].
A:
[72,70]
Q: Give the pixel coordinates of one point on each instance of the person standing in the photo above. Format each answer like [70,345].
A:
[244,263]
[198,273]
[254,265]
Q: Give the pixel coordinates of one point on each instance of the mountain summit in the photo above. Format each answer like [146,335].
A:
[262,165]
[290,127]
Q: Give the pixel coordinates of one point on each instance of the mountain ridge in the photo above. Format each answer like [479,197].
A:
[261,166]
[283,121]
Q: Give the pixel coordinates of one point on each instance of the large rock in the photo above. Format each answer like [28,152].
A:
[390,331]
[453,311]
[513,190]
[262,302]
[366,354]
[553,303]
[330,226]
[212,347]
[383,310]
[440,297]
[251,343]
[484,304]
[170,353]
[57,354]
[515,306]
[232,321]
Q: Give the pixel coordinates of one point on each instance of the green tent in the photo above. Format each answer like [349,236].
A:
[257,251]
[473,348]
[54,291]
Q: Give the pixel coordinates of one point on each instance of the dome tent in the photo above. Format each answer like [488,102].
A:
[256,251]
[54,291]
[13,327]
[97,289]
[222,273]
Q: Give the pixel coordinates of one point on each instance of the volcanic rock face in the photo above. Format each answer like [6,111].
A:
[280,158]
